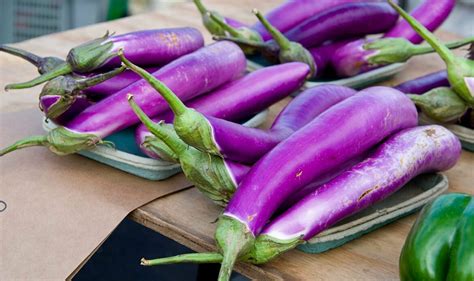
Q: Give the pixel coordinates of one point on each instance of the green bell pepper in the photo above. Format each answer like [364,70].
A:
[440,245]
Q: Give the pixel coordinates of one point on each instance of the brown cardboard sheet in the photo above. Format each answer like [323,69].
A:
[60,208]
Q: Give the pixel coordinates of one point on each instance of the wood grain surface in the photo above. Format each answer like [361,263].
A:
[187,217]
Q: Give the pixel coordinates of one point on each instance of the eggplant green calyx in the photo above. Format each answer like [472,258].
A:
[43,64]
[60,140]
[158,147]
[234,239]
[267,248]
[393,50]
[207,172]
[243,33]
[289,51]
[67,88]
[441,104]
[458,68]
[192,127]
[91,55]
[212,26]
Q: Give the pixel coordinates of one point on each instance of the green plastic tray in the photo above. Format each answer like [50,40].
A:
[127,156]
[409,199]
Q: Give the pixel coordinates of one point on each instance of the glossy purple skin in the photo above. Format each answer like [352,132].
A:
[230,137]
[430,13]
[344,21]
[352,59]
[293,12]
[116,83]
[188,76]
[425,83]
[303,192]
[243,97]
[156,46]
[348,129]
[402,157]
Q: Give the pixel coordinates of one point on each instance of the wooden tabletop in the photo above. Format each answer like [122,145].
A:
[187,216]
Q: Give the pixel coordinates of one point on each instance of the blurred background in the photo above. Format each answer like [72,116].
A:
[25,19]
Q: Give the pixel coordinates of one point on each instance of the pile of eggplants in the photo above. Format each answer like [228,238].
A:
[330,153]
[331,36]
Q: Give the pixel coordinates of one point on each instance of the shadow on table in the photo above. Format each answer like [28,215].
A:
[118,258]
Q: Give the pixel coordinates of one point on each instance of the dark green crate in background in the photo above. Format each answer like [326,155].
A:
[26,19]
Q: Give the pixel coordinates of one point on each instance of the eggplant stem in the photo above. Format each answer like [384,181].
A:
[27,142]
[250,43]
[202,9]
[281,39]
[185,258]
[62,69]
[426,48]
[30,57]
[176,105]
[232,31]
[177,146]
[440,48]
[85,83]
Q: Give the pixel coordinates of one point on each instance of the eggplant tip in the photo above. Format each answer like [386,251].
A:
[144,262]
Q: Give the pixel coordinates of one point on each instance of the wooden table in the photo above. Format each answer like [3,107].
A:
[187,217]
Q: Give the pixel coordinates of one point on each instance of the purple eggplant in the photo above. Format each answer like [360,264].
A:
[430,14]
[344,21]
[358,56]
[367,54]
[212,26]
[223,138]
[403,156]
[425,83]
[346,130]
[340,22]
[292,13]
[146,47]
[460,70]
[189,76]
[237,100]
